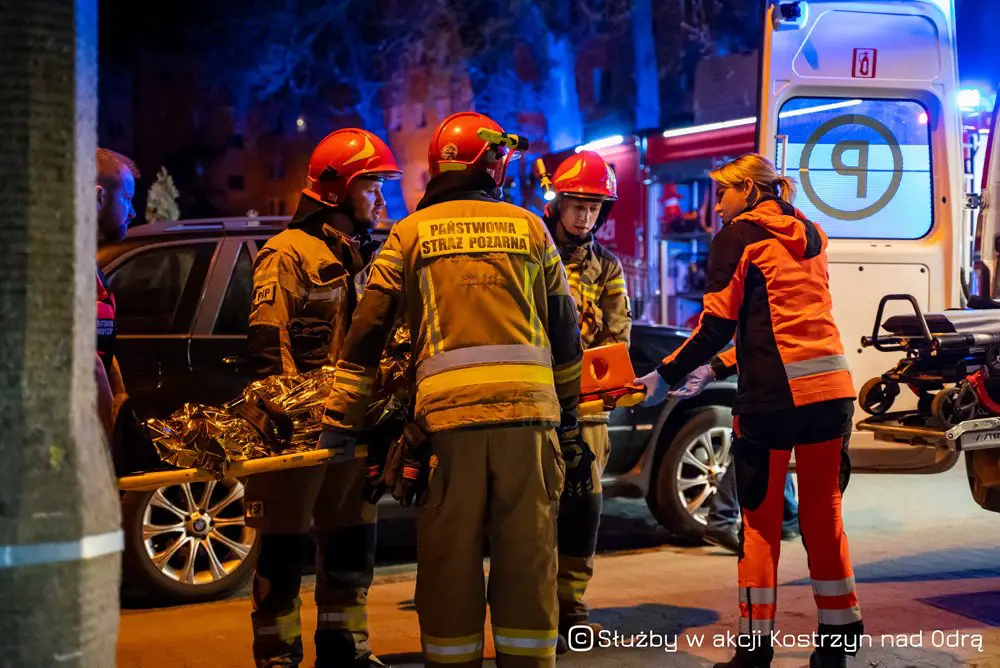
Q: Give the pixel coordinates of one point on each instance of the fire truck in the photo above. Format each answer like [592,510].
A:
[860,103]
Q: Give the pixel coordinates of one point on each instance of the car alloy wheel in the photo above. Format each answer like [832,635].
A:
[700,469]
[195,533]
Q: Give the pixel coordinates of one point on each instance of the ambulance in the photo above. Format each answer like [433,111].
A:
[860,103]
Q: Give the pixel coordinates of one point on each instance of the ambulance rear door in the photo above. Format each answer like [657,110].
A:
[986,260]
[859,106]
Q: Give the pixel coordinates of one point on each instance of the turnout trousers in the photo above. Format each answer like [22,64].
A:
[579,521]
[500,483]
[282,506]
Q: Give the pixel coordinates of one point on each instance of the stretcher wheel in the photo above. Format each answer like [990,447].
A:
[877,396]
[955,405]
[993,359]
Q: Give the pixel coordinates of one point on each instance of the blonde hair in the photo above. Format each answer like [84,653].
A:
[758,169]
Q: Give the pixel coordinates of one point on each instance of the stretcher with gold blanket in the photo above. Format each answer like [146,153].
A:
[274,424]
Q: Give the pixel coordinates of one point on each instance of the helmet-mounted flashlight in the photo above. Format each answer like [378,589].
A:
[548,191]
[511,141]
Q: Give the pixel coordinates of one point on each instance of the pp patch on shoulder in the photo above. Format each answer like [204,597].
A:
[265,294]
[255,509]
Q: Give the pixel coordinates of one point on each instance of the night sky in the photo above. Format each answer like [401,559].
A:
[978,46]
[124,21]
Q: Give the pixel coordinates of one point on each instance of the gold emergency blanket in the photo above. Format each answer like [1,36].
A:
[290,412]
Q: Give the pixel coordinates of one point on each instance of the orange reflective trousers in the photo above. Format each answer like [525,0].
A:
[819,434]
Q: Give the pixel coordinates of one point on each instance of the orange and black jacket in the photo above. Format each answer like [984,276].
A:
[768,285]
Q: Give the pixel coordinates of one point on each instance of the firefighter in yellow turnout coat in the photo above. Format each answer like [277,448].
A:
[586,190]
[497,348]
[303,299]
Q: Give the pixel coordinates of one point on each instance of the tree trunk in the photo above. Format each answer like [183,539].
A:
[60,534]
[647,80]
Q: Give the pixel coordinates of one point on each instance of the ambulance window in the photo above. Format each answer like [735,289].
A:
[862,167]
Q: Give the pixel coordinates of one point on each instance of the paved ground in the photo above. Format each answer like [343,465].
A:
[927,560]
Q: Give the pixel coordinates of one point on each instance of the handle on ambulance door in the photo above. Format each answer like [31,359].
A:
[783,143]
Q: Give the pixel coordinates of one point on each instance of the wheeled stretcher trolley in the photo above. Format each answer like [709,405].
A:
[951,362]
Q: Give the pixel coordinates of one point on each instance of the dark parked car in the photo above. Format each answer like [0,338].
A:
[183,292]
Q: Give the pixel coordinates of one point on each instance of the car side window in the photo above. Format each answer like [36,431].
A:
[157,290]
[234,314]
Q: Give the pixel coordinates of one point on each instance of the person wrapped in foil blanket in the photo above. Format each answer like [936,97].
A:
[280,415]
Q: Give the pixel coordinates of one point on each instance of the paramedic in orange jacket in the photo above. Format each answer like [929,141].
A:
[768,285]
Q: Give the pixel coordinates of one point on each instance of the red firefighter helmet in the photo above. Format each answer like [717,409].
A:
[456,146]
[586,175]
[342,156]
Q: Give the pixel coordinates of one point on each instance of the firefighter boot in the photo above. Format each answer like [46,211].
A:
[760,656]
[365,659]
[277,631]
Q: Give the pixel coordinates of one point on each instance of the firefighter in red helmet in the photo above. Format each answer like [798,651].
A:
[303,298]
[586,189]
[497,353]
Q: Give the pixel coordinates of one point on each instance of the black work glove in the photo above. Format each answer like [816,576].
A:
[412,465]
[380,441]
[579,459]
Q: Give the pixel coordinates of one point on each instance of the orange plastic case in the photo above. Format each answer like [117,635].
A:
[606,381]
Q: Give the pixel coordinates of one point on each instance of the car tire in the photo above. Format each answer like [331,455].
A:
[676,498]
[161,533]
